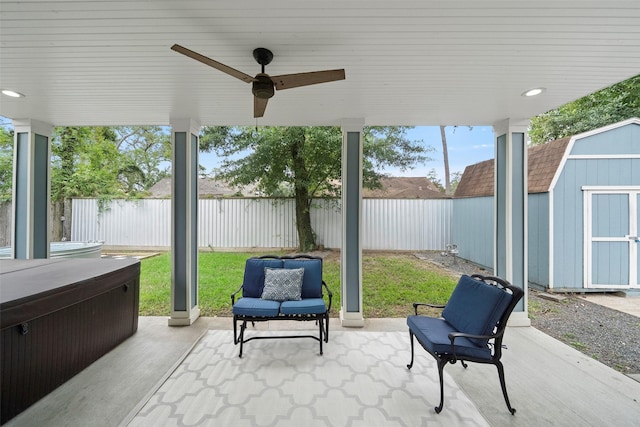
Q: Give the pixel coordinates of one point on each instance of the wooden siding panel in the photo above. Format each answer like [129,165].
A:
[472,229]
[568,225]
[638,244]
[568,214]
[622,140]
[538,231]
[611,263]
[610,215]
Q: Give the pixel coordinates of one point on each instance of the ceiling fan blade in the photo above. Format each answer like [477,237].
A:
[215,64]
[288,81]
[259,105]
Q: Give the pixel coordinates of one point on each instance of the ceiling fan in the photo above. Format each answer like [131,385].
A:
[264,86]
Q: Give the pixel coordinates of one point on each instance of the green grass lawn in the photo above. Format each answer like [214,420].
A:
[390,283]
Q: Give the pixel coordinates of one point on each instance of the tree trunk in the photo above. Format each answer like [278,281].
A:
[57,211]
[445,155]
[60,230]
[306,236]
[66,226]
[5,223]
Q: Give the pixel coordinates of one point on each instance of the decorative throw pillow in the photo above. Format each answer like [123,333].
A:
[283,284]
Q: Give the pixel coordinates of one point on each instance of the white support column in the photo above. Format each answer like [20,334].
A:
[510,207]
[184,222]
[31,189]
[351,253]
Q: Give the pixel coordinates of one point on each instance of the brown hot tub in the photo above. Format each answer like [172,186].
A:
[57,316]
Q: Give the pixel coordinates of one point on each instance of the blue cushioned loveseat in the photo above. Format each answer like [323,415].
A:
[281,288]
[471,327]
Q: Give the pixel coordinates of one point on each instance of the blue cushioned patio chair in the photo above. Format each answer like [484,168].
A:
[252,308]
[471,327]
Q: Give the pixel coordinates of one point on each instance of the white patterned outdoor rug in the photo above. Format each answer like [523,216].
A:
[362,380]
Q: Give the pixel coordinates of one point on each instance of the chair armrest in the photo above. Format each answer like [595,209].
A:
[329,293]
[422,304]
[454,335]
[233,295]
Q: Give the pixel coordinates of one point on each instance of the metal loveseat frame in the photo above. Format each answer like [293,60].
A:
[471,328]
[251,307]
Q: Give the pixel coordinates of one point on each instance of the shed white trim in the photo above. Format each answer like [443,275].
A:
[567,153]
[602,156]
[631,238]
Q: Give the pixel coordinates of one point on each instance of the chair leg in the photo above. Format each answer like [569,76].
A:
[441,364]
[243,326]
[504,386]
[326,330]
[235,331]
[320,332]
[410,365]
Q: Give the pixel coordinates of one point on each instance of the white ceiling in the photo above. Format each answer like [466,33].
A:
[418,62]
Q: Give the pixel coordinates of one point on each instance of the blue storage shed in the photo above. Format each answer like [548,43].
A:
[583,211]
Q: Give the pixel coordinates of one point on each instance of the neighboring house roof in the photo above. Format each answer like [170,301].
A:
[207,188]
[392,188]
[405,188]
[543,162]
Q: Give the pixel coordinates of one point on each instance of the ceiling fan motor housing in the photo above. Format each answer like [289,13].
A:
[263,87]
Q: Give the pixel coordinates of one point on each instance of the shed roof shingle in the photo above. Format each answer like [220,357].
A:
[544,160]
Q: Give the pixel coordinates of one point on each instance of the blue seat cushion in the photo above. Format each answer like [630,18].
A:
[433,333]
[253,282]
[312,279]
[305,306]
[246,306]
[476,307]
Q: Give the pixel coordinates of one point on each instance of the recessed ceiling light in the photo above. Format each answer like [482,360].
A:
[12,93]
[533,92]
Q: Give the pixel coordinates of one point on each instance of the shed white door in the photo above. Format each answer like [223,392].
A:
[612,222]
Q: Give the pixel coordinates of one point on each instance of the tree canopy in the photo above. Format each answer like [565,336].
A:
[6,163]
[305,162]
[106,162]
[147,155]
[265,156]
[609,105]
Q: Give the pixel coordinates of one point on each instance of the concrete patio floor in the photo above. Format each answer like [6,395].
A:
[549,382]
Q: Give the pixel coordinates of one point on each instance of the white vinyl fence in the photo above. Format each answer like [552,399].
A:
[387,224]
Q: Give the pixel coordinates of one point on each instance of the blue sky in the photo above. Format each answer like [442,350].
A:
[466,147]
